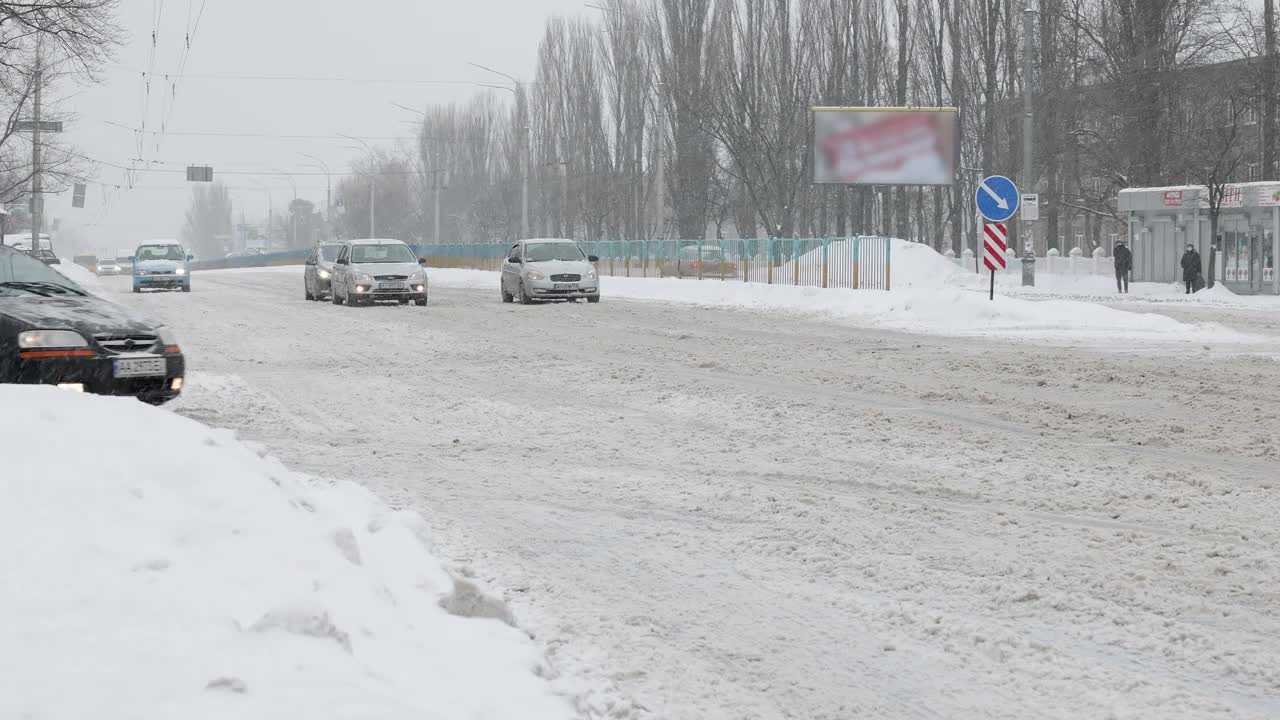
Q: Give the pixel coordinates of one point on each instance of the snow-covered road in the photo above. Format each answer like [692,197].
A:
[708,513]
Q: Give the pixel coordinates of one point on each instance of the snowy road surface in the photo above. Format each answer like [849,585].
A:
[729,514]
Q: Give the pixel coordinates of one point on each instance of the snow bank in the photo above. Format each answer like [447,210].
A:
[81,276]
[156,568]
[939,311]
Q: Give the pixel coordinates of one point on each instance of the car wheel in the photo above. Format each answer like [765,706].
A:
[306,290]
[506,296]
[333,295]
[593,298]
[421,302]
[137,289]
[186,288]
[525,297]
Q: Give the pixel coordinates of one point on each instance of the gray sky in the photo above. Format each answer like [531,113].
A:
[394,40]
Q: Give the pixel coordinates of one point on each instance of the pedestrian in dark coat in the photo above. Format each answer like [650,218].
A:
[1191,267]
[1124,266]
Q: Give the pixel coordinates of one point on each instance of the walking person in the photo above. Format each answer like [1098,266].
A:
[1191,269]
[1123,260]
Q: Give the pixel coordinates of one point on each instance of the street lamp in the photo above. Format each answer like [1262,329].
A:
[373,178]
[522,120]
[328,188]
[293,214]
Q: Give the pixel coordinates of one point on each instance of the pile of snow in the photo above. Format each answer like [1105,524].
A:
[81,276]
[160,569]
[936,311]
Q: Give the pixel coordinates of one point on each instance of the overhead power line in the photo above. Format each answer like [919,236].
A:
[312,78]
[274,136]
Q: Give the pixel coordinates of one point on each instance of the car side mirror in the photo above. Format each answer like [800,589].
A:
[593,258]
[422,261]
[517,261]
[190,258]
[133,258]
[342,261]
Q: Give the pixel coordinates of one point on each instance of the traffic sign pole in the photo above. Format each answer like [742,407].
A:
[994,245]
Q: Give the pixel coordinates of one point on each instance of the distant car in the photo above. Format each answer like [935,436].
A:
[52,332]
[369,271]
[549,270]
[111,267]
[707,261]
[317,277]
[161,266]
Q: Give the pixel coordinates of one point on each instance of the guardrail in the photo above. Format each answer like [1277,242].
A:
[863,262]
[854,263]
[287,257]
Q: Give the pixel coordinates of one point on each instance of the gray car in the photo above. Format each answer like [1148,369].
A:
[549,270]
[317,278]
[369,271]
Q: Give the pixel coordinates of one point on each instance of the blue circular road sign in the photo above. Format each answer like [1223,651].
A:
[997,198]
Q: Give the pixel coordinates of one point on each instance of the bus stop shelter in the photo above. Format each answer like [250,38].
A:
[1163,221]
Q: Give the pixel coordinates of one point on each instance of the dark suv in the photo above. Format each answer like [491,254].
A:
[53,332]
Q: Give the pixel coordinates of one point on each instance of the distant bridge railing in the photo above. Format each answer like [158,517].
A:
[863,262]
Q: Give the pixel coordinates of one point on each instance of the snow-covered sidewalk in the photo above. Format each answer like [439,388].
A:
[157,568]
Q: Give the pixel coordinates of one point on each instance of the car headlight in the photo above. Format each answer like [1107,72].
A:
[50,339]
[324,274]
[167,336]
[418,277]
[591,275]
[535,275]
[180,271]
[364,278]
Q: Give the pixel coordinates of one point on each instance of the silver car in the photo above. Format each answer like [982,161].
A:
[369,271]
[318,275]
[549,270]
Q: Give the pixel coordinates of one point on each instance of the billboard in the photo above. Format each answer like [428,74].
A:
[885,146]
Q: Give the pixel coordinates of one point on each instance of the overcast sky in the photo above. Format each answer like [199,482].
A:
[400,42]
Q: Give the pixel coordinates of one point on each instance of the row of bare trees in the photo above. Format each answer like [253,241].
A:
[691,118]
[42,42]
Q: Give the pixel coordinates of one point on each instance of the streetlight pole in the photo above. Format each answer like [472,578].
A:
[659,195]
[1028,139]
[293,215]
[522,122]
[373,181]
[328,189]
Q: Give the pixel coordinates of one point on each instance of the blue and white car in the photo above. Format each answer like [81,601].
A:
[161,265]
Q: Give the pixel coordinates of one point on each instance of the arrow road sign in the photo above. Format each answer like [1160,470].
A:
[997,198]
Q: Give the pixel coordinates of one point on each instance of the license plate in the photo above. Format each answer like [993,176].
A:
[140,367]
[391,286]
[566,286]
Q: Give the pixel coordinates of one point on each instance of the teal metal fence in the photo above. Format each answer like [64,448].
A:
[863,262]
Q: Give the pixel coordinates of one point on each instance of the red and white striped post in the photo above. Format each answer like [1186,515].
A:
[994,245]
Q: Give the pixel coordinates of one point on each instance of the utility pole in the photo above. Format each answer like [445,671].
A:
[436,185]
[659,195]
[37,200]
[1028,139]
[524,184]
[328,189]
[522,122]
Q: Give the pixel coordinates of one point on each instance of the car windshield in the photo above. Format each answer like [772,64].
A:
[18,269]
[329,253]
[160,252]
[388,253]
[546,252]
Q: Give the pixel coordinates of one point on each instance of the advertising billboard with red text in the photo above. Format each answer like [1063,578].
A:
[885,146]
